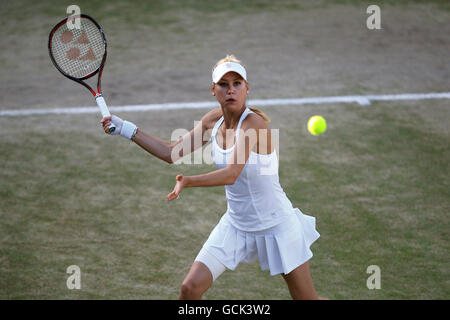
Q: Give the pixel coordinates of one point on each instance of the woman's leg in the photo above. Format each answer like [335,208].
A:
[204,271]
[300,283]
[196,282]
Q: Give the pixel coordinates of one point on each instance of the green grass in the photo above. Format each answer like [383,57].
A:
[153,13]
[377,182]
[163,13]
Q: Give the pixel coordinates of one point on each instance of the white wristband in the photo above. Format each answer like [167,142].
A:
[128,129]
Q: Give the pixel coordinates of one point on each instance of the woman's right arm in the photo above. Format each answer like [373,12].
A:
[171,152]
[153,145]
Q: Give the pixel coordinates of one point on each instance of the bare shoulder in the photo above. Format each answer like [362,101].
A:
[211,117]
[254,121]
[264,137]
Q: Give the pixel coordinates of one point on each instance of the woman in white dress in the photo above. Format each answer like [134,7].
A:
[260,222]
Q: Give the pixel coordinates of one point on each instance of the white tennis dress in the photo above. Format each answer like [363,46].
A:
[260,221]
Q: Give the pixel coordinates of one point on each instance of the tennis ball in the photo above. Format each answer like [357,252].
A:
[317,125]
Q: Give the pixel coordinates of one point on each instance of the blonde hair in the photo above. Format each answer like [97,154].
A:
[232,58]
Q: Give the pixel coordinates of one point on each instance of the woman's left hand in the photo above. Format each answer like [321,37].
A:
[180,183]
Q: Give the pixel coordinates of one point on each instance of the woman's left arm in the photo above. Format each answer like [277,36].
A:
[248,138]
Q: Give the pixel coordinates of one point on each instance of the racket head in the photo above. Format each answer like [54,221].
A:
[78,53]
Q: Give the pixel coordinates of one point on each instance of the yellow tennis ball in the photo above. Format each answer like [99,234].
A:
[317,125]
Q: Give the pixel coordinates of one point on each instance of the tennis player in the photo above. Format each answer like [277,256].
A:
[260,222]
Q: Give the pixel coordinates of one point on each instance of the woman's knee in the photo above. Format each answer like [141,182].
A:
[190,289]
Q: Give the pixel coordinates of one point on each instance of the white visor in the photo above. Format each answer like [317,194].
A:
[226,67]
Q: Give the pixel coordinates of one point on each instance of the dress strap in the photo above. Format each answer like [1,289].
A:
[243,116]
[216,127]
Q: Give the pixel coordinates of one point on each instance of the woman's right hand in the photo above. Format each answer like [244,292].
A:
[124,128]
[106,122]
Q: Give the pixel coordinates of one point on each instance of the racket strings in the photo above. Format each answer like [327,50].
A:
[78,52]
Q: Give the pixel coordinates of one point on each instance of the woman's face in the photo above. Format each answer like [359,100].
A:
[231,91]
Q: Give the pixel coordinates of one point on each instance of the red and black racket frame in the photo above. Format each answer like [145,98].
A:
[100,68]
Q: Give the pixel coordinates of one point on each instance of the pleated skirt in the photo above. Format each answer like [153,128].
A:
[279,249]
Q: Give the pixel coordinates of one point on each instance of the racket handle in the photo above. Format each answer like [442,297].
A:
[104,110]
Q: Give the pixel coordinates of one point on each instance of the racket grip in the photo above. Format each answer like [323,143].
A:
[104,110]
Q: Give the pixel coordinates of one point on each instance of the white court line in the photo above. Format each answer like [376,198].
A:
[363,100]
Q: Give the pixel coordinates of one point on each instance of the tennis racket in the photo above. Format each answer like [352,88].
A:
[80,53]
